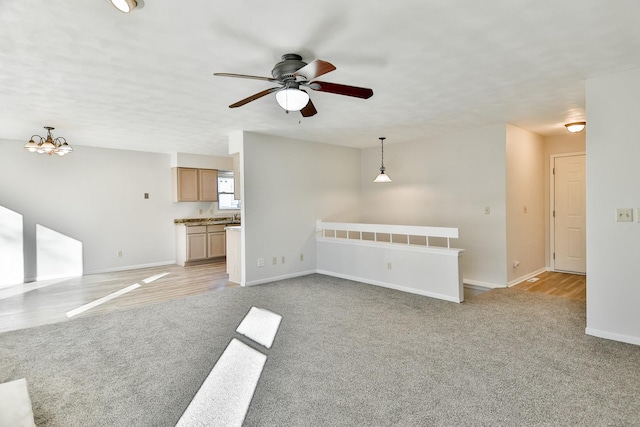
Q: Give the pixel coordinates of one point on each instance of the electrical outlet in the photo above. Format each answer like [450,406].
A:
[487,210]
[624,215]
[516,264]
[275,260]
[301,257]
[524,209]
[389,266]
[119,253]
[146,195]
[283,260]
[260,262]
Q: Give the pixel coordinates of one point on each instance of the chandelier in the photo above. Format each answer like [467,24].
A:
[48,145]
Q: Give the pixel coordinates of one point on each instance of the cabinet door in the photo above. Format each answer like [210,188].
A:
[187,185]
[208,185]
[196,246]
[236,176]
[217,245]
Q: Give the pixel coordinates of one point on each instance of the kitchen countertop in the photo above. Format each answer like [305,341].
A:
[189,222]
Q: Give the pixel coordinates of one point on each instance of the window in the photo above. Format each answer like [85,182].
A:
[226,199]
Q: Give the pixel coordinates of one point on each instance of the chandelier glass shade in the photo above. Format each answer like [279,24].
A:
[292,99]
[48,145]
[382,177]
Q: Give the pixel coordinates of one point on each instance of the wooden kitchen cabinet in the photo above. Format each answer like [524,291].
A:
[186,181]
[199,243]
[217,244]
[195,185]
[196,247]
[208,187]
[236,176]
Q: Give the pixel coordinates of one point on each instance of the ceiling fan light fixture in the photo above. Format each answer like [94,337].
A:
[125,6]
[575,127]
[291,99]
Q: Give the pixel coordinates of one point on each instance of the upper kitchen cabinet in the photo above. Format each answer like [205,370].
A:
[236,176]
[208,189]
[195,185]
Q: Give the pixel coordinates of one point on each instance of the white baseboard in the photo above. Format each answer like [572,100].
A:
[476,287]
[274,278]
[389,285]
[612,336]
[131,267]
[526,277]
[482,284]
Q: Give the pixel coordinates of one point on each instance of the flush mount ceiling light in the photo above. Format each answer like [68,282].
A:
[48,145]
[382,177]
[292,98]
[575,126]
[125,6]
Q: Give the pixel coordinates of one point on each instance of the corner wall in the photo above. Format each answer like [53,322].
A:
[447,181]
[613,248]
[288,185]
[525,204]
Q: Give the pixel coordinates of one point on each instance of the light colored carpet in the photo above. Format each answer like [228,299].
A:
[346,353]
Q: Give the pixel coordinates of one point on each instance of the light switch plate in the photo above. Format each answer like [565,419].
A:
[624,215]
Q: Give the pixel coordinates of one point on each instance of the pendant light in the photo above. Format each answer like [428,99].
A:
[382,177]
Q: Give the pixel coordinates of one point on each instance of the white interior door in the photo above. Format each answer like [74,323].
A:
[570,253]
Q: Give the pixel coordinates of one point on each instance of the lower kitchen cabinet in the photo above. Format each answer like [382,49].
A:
[199,243]
[216,241]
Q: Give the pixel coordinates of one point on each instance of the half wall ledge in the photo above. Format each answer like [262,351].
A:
[393,256]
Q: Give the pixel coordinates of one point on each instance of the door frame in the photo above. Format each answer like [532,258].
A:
[552,206]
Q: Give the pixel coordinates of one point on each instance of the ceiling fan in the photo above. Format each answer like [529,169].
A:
[293,75]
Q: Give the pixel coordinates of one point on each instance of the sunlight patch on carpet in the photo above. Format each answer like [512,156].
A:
[260,325]
[102,300]
[225,395]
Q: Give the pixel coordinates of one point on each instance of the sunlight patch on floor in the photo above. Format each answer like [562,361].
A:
[102,300]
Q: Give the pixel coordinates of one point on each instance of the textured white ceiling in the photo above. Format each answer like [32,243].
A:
[144,81]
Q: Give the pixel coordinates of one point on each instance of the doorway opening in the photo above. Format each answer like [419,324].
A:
[568,213]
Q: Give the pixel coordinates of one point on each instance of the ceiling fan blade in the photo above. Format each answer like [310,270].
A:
[314,69]
[358,92]
[244,76]
[309,110]
[254,97]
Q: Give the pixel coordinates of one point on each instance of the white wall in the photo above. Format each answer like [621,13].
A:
[613,248]
[447,181]
[288,185]
[554,145]
[95,196]
[525,204]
